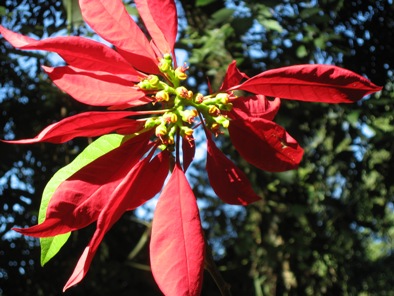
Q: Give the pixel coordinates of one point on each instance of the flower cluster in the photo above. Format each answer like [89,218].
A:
[142,70]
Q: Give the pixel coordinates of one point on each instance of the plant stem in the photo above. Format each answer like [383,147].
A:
[211,267]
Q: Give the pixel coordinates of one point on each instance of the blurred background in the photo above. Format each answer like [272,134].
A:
[324,229]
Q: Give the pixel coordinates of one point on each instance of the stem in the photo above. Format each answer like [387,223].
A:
[211,267]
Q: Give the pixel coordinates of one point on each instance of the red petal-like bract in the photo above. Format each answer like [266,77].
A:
[188,151]
[265,144]
[139,185]
[177,243]
[88,124]
[255,106]
[78,52]
[233,77]
[313,83]
[78,201]
[109,18]
[95,89]
[229,183]
[161,20]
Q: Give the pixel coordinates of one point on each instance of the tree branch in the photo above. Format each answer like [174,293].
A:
[211,267]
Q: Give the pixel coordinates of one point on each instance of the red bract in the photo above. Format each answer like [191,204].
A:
[134,189]
[312,83]
[177,244]
[88,124]
[226,179]
[103,183]
[79,200]
[257,138]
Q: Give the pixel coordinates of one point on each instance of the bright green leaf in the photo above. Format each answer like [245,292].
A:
[301,51]
[271,25]
[50,246]
[384,124]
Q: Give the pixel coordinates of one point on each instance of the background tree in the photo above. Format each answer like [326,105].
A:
[324,229]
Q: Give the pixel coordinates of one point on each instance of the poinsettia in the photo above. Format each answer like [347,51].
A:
[130,152]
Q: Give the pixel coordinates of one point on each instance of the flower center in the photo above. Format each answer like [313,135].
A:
[182,106]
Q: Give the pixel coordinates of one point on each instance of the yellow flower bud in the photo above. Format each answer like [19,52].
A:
[183,92]
[186,131]
[162,96]
[170,117]
[189,115]
[161,130]
[222,98]
[199,98]
[180,73]
[213,110]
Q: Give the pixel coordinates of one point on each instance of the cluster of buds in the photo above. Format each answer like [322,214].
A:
[182,106]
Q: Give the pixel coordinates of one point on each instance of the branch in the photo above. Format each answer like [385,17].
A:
[211,267]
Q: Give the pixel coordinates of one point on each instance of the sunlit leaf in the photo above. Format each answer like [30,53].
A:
[51,246]
[134,189]
[312,83]
[177,244]
[109,19]
[96,90]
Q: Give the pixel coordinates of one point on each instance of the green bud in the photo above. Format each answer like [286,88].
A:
[144,85]
[222,120]
[152,122]
[222,98]
[153,81]
[226,107]
[165,63]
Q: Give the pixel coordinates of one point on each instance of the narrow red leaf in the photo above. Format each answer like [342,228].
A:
[177,244]
[313,83]
[265,144]
[78,52]
[255,106]
[79,200]
[139,185]
[96,90]
[233,77]
[162,24]
[109,18]
[88,124]
[48,228]
[188,150]
[229,183]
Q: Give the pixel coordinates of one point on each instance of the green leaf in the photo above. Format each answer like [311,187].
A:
[301,51]
[308,12]
[74,16]
[384,124]
[271,25]
[203,2]
[2,10]
[222,16]
[50,246]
